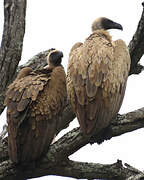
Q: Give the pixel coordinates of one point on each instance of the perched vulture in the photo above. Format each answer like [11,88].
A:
[97,75]
[34,103]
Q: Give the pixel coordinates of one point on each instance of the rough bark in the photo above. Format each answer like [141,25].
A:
[136,47]
[115,171]
[12,43]
[56,161]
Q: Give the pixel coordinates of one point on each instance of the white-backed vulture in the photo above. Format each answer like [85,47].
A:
[97,75]
[34,103]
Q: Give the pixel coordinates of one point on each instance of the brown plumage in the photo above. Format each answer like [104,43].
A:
[97,74]
[34,103]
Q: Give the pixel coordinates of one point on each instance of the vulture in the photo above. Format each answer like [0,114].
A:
[35,101]
[96,77]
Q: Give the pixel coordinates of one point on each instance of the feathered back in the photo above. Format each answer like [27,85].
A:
[97,75]
[34,105]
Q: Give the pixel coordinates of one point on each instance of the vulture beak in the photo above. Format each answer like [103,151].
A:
[116,26]
[109,24]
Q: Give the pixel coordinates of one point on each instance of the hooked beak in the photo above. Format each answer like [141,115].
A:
[116,26]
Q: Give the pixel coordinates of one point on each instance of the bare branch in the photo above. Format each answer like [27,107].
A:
[136,47]
[37,61]
[12,42]
[66,168]
[74,140]
[50,165]
[56,161]
[128,122]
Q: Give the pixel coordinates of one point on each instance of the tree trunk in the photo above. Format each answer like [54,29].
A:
[12,43]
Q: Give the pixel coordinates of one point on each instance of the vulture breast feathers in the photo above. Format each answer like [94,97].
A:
[97,74]
[34,103]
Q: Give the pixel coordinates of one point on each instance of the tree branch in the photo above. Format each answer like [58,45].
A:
[136,47]
[84,170]
[56,161]
[74,140]
[67,168]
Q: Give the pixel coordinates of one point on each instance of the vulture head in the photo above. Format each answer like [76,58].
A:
[105,23]
[54,58]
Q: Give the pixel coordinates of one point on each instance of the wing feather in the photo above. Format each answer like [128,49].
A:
[34,103]
[97,70]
